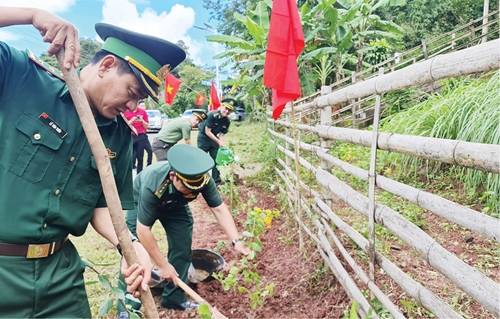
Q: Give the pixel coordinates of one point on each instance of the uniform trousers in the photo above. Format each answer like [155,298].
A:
[178,225]
[207,145]
[51,287]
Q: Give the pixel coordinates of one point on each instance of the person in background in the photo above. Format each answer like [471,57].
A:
[51,186]
[162,192]
[139,119]
[212,131]
[176,130]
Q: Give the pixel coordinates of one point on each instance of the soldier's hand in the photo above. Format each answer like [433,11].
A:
[168,272]
[59,33]
[137,276]
[241,248]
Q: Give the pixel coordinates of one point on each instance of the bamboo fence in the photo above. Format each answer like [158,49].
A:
[324,227]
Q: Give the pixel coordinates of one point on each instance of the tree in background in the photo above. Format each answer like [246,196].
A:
[89,48]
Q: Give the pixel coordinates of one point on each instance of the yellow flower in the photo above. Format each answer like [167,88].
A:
[268,220]
[268,212]
[257,210]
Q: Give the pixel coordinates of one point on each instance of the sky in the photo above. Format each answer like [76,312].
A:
[172,20]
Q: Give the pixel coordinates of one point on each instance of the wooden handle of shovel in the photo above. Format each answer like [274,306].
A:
[105,173]
[215,313]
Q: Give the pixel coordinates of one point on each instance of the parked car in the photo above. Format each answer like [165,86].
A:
[238,115]
[188,112]
[155,120]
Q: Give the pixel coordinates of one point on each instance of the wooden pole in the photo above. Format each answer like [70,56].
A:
[297,173]
[105,173]
[371,188]
[215,313]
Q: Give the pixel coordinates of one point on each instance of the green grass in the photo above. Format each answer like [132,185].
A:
[466,109]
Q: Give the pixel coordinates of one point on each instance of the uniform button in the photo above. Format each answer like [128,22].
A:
[57,192]
[37,136]
[72,159]
[44,225]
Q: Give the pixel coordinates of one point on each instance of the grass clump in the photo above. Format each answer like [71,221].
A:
[466,109]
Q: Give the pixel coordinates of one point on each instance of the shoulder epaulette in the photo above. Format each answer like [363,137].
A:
[44,65]
[161,190]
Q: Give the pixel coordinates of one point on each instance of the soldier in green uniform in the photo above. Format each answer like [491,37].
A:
[162,192]
[50,184]
[211,132]
[174,131]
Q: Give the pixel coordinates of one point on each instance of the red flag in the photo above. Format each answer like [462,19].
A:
[284,44]
[214,99]
[200,99]
[172,85]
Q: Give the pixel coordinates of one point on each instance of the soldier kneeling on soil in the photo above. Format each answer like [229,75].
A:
[162,192]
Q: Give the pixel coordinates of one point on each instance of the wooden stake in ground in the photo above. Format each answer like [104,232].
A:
[106,174]
[215,313]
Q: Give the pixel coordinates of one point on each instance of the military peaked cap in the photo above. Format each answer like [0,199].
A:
[149,57]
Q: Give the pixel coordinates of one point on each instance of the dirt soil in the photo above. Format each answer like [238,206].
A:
[301,288]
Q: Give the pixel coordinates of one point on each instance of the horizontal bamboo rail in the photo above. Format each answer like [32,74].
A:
[481,58]
[415,290]
[482,224]
[483,289]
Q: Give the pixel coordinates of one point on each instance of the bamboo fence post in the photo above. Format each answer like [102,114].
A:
[486,8]
[105,173]
[326,119]
[354,103]
[289,119]
[372,178]
[297,172]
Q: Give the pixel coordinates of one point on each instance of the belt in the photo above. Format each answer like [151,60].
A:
[32,250]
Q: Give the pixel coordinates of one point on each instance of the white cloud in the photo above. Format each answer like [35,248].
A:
[7,36]
[54,6]
[171,26]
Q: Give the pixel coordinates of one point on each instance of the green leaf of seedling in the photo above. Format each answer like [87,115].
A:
[105,307]
[247,234]
[87,263]
[134,315]
[234,270]
[104,281]
[130,297]
[88,283]
[251,256]
[204,311]
[242,289]
[118,293]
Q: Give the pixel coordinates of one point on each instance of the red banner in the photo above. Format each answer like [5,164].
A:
[285,43]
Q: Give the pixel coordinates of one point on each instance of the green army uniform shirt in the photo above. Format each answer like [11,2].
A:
[175,130]
[154,194]
[50,182]
[216,123]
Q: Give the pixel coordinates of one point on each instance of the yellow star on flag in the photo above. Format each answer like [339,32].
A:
[169,89]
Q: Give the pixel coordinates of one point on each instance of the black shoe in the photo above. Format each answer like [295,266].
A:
[123,315]
[188,304]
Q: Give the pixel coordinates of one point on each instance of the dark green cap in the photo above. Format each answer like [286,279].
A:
[229,103]
[190,164]
[150,58]
[202,115]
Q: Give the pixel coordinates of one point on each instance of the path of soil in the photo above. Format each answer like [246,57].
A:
[302,288]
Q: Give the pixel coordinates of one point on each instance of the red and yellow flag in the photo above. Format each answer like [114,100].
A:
[172,85]
[200,99]
[214,99]
[284,44]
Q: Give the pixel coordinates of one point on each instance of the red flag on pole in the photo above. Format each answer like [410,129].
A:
[284,44]
[172,85]
[200,99]
[214,99]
